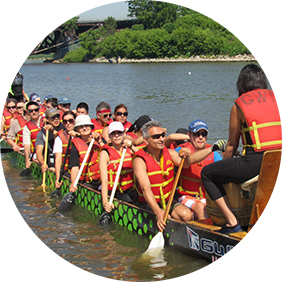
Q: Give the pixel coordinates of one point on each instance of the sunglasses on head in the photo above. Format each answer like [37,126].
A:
[55,117]
[203,133]
[107,115]
[13,107]
[158,136]
[122,114]
[34,110]
[66,121]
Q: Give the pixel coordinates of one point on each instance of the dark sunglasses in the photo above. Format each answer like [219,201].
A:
[65,105]
[158,136]
[13,107]
[34,110]
[119,133]
[55,117]
[107,115]
[66,121]
[122,114]
[18,108]
[203,133]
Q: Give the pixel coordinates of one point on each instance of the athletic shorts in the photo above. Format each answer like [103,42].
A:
[190,201]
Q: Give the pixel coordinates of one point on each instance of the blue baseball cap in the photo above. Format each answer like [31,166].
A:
[64,100]
[196,125]
[47,97]
[33,97]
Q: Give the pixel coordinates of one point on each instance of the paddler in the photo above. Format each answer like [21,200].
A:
[8,116]
[153,168]
[64,105]
[54,125]
[109,162]
[190,191]
[255,116]
[90,176]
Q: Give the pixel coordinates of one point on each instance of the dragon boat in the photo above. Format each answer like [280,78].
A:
[195,238]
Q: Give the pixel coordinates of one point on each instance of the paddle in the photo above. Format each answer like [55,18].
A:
[26,171]
[56,192]
[106,216]
[68,199]
[158,240]
[7,150]
[43,185]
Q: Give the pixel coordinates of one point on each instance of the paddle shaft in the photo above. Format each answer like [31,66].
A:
[173,189]
[45,158]
[83,162]
[65,160]
[117,176]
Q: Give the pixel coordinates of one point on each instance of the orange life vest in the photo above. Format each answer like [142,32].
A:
[126,174]
[161,176]
[99,127]
[263,125]
[8,117]
[65,140]
[190,178]
[34,129]
[88,172]
[22,122]
[127,125]
[42,110]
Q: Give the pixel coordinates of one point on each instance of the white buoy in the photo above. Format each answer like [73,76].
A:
[189,72]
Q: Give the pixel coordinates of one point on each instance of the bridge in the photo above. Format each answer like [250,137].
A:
[58,43]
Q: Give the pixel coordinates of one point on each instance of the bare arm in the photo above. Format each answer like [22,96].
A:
[58,166]
[74,173]
[175,137]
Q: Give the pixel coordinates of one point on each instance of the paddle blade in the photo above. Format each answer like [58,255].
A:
[56,193]
[25,172]
[67,202]
[105,218]
[157,241]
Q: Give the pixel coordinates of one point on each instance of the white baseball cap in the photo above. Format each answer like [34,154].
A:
[116,126]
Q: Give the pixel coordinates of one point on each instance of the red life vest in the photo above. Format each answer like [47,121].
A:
[42,110]
[161,176]
[127,125]
[34,129]
[65,140]
[126,174]
[99,127]
[134,136]
[263,124]
[8,117]
[22,122]
[87,172]
[190,178]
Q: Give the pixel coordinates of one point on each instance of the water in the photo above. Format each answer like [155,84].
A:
[168,93]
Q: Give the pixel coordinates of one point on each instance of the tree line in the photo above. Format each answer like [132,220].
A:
[160,30]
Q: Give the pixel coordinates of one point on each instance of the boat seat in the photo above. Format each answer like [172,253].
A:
[248,185]
[238,235]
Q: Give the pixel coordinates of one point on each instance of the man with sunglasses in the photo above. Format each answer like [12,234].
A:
[54,125]
[31,130]
[104,114]
[190,191]
[153,168]
[15,133]
[8,116]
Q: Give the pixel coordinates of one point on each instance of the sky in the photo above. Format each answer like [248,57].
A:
[118,10]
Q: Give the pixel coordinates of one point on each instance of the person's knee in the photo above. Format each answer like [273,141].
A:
[182,213]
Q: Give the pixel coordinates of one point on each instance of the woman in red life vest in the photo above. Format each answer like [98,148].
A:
[61,143]
[255,115]
[83,126]
[109,161]
[8,116]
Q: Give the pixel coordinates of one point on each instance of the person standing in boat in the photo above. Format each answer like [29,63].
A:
[190,191]
[255,116]
[90,174]
[30,131]
[15,133]
[109,161]
[61,144]
[54,125]
[153,167]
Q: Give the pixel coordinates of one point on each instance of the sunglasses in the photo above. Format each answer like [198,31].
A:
[65,105]
[55,117]
[203,133]
[13,107]
[158,136]
[122,114]
[19,108]
[114,133]
[33,110]
[70,121]
[107,115]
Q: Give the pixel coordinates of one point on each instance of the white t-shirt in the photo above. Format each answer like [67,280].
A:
[58,145]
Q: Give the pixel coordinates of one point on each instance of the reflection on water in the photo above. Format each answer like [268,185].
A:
[110,250]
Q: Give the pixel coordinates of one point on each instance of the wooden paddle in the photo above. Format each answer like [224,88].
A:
[56,192]
[43,185]
[158,240]
[106,216]
[68,199]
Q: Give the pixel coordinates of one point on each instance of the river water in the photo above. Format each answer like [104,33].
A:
[172,93]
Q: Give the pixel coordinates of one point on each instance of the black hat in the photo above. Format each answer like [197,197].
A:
[136,126]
